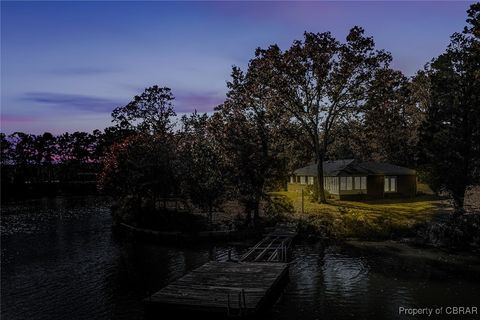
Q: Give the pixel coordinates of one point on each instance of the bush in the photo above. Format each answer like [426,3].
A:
[278,208]
[312,192]
[461,232]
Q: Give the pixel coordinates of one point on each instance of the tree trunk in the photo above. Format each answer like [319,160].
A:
[321,190]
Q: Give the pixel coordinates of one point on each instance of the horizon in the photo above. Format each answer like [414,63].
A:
[67,65]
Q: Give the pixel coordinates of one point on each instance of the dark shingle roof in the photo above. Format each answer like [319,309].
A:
[386,168]
[349,167]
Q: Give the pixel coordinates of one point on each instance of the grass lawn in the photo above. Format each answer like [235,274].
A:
[381,219]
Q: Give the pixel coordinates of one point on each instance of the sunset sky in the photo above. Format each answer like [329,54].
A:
[66,65]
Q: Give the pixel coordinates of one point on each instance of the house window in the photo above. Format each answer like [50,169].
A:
[390,184]
[302,179]
[349,183]
[343,183]
[310,180]
[363,183]
[357,183]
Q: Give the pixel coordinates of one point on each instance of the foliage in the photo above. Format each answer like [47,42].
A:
[142,166]
[252,137]
[279,208]
[321,83]
[150,112]
[202,172]
[455,233]
[387,130]
[449,146]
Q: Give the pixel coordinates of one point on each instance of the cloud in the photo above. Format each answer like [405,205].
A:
[73,101]
[8,118]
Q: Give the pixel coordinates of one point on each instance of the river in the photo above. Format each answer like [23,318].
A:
[60,260]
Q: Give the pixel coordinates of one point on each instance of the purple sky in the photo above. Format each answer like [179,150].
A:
[66,65]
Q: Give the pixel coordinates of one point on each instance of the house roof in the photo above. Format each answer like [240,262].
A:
[349,167]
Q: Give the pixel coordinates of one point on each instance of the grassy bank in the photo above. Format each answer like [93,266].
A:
[381,219]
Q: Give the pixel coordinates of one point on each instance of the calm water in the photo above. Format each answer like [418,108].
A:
[60,260]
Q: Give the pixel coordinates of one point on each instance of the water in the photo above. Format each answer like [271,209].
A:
[60,260]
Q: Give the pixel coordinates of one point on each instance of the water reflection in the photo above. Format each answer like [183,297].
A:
[60,260]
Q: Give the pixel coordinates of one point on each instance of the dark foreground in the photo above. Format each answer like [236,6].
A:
[60,260]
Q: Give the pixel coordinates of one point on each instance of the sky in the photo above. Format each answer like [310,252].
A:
[66,65]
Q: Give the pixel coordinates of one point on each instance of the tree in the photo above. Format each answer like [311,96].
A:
[149,112]
[201,169]
[6,149]
[141,166]
[387,130]
[450,135]
[321,83]
[24,151]
[248,128]
[46,151]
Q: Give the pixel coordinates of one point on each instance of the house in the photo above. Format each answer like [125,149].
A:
[349,179]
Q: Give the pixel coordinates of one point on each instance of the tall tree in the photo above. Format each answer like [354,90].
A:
[201,169]
[390,121]
[450,136]
[149,112]
[248,130]
[142,166]
[321,82]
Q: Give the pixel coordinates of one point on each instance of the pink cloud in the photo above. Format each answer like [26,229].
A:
[9,118]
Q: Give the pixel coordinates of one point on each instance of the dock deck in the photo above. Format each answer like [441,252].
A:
[230,289]
[222,288]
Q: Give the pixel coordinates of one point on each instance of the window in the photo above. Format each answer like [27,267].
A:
[390,184]
[363,183]
[343,183]
[302,180]
[329,183]
[310,180]
[393,184]
[349,183]
[357,183]
[292,179]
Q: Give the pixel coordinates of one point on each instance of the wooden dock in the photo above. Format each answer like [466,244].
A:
[230,289]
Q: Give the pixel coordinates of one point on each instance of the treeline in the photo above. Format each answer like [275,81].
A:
[320,99]
[43,164]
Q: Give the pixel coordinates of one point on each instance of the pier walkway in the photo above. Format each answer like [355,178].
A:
[231,289]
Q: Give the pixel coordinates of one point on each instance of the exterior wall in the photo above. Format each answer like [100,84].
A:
[407,185]
[375,186]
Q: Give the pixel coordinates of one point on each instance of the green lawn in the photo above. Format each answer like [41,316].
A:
[382,219]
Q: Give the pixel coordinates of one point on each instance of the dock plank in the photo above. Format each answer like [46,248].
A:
[231,288]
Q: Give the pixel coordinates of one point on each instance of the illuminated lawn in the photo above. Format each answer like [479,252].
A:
[381,219]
